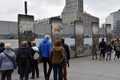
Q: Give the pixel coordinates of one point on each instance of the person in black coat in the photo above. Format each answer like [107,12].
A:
[102,46]
[24,60]
[34,50]
[66,47]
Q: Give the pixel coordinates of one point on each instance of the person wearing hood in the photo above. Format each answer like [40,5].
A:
[44,49]
[56,58]
[2,48]
[24,60]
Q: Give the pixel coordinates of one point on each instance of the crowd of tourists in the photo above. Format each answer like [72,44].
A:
[55,56]
[106,49]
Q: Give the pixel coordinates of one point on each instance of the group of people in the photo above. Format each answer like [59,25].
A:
[54,55]
[106,49]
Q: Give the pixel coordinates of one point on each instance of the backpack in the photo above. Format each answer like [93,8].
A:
[23,60]
[102,45]
[36,54]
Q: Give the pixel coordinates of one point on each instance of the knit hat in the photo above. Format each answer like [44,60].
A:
[47,36]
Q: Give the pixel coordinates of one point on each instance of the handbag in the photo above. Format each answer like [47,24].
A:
[39,59]
[11,59]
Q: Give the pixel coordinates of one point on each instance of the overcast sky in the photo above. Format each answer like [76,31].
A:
[9,9]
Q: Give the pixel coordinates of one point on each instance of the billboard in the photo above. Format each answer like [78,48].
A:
[25,27]
[57,28]
[79,40]
[108,32]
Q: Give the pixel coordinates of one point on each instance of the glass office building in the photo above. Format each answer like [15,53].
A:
[114,20]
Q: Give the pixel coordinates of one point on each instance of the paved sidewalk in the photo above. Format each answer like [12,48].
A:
[85,68]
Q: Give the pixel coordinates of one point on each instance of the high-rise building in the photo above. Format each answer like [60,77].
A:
[114,20]
[74,10]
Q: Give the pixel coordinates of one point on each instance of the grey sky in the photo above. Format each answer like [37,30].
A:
[48,8]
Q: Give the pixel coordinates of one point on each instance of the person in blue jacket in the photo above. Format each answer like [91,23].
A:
[44,49]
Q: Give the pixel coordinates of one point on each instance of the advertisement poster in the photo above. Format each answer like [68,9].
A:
[57,29]
[95,34]
[108,32]
[25,27]
[79,41]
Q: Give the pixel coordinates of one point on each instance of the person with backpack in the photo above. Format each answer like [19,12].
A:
[7,62]
[45,48]
[24,60]
[66,61]
[102,46]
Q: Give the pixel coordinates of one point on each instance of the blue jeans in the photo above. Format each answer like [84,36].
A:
[24,77]
[57,71]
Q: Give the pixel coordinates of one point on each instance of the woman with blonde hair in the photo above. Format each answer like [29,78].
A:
[7,62]
[56,58]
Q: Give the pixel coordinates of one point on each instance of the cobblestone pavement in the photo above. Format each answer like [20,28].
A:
[84,68]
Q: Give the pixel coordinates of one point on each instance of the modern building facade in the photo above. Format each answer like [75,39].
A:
[114,20]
